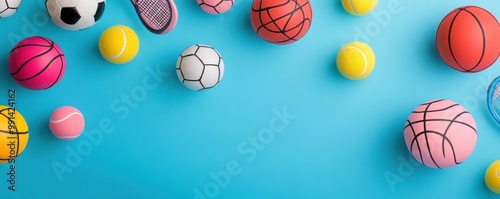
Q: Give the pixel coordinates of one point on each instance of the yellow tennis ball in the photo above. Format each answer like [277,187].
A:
[359,7]
[492,177]
[13,134]
[355,60]
[119,44]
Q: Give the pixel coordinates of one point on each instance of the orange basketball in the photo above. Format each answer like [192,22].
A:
[468,39]
[281,21]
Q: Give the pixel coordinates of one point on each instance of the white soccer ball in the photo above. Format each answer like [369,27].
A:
[8,7]
[200,67]
[75,14]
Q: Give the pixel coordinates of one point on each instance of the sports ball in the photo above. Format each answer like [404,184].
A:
[200,67]
[8,7]
[14,134]
[440,133]
[281,21]
[492,177]
[359,7]
[468,39]
[119,44]
[215,6]
[75,14]
[355,60]
[37,63]
[66,123]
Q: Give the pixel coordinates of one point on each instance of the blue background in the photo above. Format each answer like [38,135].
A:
[345,139]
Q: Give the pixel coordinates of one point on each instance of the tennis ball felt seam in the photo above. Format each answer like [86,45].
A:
[65,118]
[357,7]
[365,58]
[69,136]
[124,47]
[352,7]
[119,44]
[374,3]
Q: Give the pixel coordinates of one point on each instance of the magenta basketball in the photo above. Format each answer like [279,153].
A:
[440,133]
[37,63]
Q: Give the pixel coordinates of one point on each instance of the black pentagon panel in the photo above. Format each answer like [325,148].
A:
[100,10]
[70,16]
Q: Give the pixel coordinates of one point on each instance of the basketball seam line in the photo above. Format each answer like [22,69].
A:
[425,134]
[28,45]
[437,110]
[435,101]
[442,120]
[17,135]
[449,39]
[484,39]
[288,21]
[32,58]
[415,139]
[426,138]
[268,8]
[45,68]
[444,135]
[274,20]
[60,69]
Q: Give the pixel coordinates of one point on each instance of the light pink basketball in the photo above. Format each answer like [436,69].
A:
[215,6]
[66,123]
[440,133]
[37,63]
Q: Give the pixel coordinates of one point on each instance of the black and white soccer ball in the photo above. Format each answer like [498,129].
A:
[200,67]
[75,14]
[8,7]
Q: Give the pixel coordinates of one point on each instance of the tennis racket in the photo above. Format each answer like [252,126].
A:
[493,99]
[159,16]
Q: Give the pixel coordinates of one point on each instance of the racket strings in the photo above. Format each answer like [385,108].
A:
[156,13]
[496,95]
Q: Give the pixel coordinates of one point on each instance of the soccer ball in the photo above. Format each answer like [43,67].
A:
[215,6]
[75,14]
[200,67]
[8,7]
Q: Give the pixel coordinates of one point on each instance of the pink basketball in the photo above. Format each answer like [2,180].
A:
[215,6]
[440,133]
[37,63]
[66,123]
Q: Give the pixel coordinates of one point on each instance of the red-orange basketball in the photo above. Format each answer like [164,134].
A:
[468,39]
[281,21]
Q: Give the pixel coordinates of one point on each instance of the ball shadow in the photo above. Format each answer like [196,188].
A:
[431,51]
[397,159]
[433,60]
[339,8]
[396,146]
[171,86]
[333,67]
[247,27]
[479,179]
[95,54]
[5,79]
[43,129]
[332,70]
